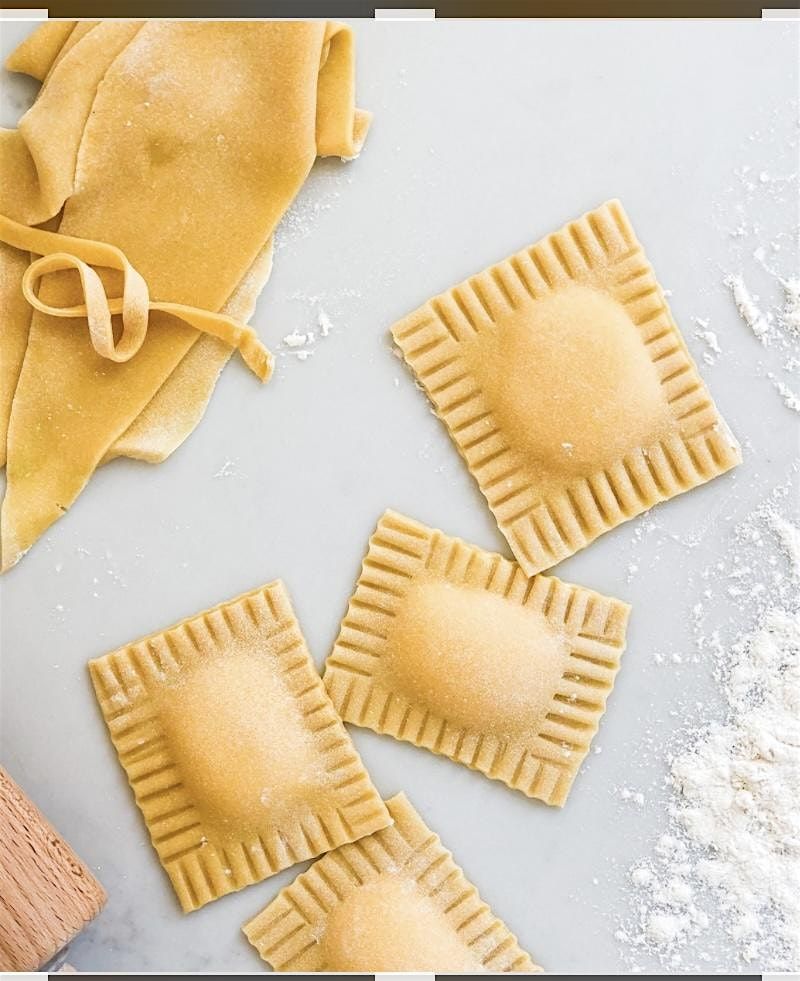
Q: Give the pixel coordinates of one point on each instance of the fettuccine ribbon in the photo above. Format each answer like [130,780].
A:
[59,252]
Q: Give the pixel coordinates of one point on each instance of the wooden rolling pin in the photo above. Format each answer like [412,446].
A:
[47,894]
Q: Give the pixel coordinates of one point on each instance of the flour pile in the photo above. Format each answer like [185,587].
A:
[730,857]
[720,887]
[739,785]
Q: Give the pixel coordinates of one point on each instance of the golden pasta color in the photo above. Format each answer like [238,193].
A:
[189,178]
[567,388]
[395,901]
[237,759]
[454,649]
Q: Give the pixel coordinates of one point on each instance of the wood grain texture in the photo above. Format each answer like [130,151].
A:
[47,894]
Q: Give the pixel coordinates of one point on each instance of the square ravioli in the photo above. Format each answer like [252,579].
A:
[395,901]
[236,757]
[454,649]
[567,388]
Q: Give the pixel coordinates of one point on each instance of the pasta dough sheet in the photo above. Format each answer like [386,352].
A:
[236,757]
[567,388]
[122,99]
[179,404]
[395,901]
[454,649]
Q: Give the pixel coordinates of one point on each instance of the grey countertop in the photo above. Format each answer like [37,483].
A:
[487,135]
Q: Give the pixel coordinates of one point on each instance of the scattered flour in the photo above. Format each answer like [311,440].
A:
[634,796]
[737,809]
[324,322]
[730,856]
[228,469]
[790,398]
[295,339]
[790,315]
[758,213]
[709,338]
[321,193]
[787,537]
[746,304]
[301,343]
[298,222]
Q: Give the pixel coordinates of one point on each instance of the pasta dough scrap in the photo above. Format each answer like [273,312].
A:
[567,388]
[395,901]
[177,104]
[454,649]
[236,757]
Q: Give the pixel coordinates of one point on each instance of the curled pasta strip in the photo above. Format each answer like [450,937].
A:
[60,252]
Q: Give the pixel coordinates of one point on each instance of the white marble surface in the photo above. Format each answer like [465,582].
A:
[486,136]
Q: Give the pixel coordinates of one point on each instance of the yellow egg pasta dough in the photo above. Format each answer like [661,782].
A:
[454,649]
[567,388]
[235,755]
[181,144]
[395,901]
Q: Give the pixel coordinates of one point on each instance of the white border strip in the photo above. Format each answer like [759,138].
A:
[416,976]
[10,13]
[787,14]
[388,13]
